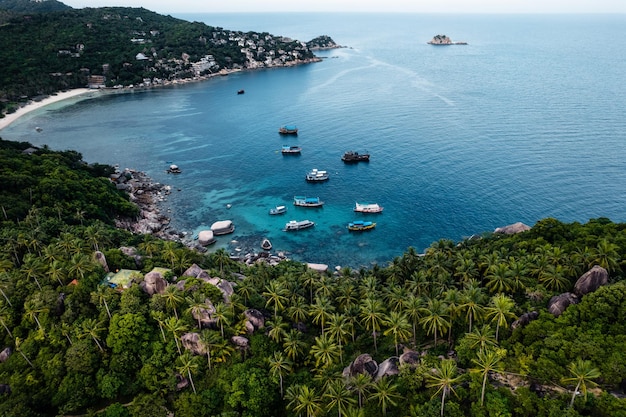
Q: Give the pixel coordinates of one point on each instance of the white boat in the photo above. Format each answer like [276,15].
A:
[222,227]
[317,175]
[368,208]
[278,210]
[298,225]
[302,201]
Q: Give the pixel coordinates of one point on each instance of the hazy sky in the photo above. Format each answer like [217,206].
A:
[445,6]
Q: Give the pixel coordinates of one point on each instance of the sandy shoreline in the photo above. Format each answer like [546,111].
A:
[34,105]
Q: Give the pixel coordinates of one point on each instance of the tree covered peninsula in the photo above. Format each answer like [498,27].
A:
[501,325]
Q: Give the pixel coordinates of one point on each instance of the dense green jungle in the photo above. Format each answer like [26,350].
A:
[427,334]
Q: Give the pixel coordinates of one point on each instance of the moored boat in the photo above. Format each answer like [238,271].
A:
[317,175]
[351,156]
[298,225]
[222,227]
[288,130]
[360,225]
[291,150]
[241,91]
[266,244]
[278,210]
[302,201]
[368,208]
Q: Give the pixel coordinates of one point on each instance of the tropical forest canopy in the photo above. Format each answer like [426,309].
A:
[78,346]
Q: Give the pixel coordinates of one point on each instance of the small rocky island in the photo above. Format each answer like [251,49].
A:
[443,40]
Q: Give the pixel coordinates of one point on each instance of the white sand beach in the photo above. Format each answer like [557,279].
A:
[34,105]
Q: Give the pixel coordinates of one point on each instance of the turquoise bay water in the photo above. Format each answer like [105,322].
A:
[525,122]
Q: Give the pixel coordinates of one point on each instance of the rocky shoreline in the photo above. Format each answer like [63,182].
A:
[148,196]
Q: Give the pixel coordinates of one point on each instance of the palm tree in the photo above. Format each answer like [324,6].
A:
[338,330]
[5,280]
[413,309]
[92,328]
[293,344]
[187,364]
[210,339]
[486,362]
[321,311]
[325,351]
[583,372]
[173,298]
[499,310]
[18,344]
[168,252]
[276,295]
[498,278]
[554,277]
[100,296]
[56,271]
[444,378]
[159,317]
[482,338]
[278,329]
[32,308]
[435,317]
[606,255]
[197,306]
[279,365]
[176,327]
[386,393]
[398,325]
[372,314]
[32,267]
[362,384]
[5,314]
[473,299]
[222,258]
[338,396]
[304,399]
[297,311]
[80,264]
[222,316]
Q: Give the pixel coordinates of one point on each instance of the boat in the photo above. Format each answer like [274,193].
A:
[360,225]
[307,201]
[316,175]
[240,91]
[368,208]
[351,156]
[266,244]
[222,227]
[288,130]
[291,150]
[298,225]
[278,210]
[174,169]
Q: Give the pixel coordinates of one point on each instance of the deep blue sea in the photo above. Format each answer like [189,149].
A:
[525,122]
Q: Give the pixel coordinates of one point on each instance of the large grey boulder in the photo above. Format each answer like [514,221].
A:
[363,364]
[591,280]
[410,357]
[559,303]
[388,367]
[204,315]
[512,228]
[192,343]
[224,286]
[524,319]
[153,283]
[4,355]
[196,272]
[254,320]
[101,260]
[240,342]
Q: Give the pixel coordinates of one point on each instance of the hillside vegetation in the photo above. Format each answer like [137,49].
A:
[431,334]
[42,53]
